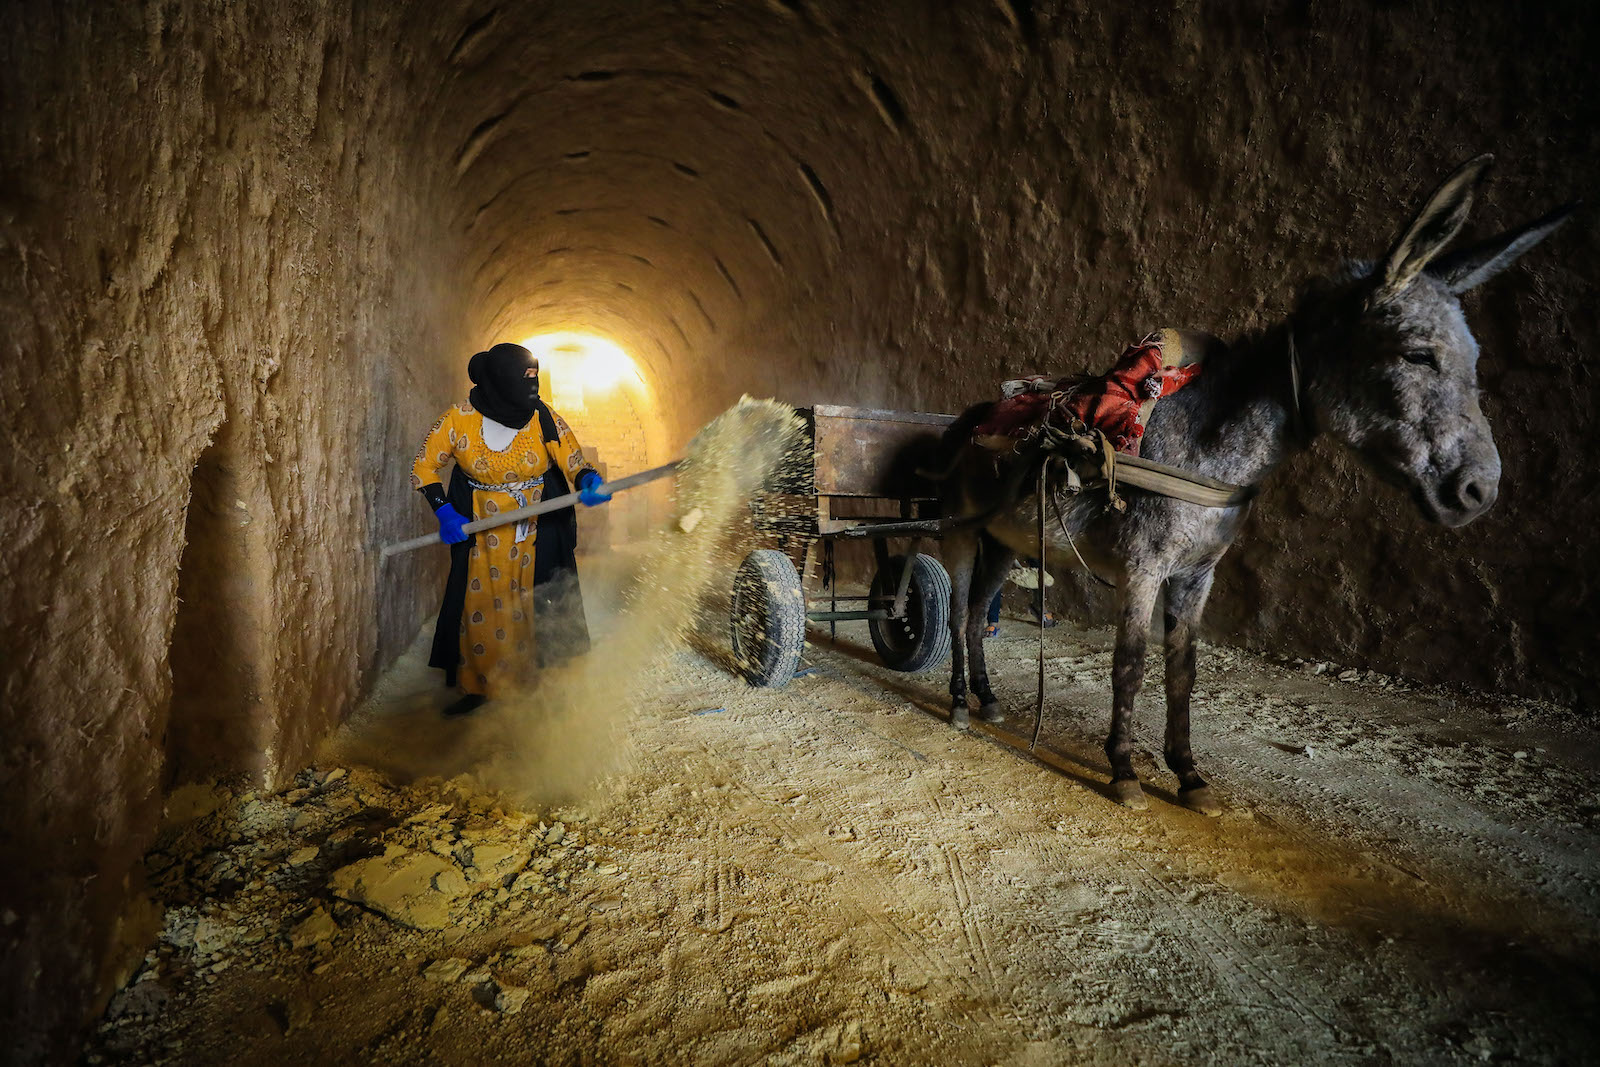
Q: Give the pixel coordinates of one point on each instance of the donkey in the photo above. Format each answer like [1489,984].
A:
[1378,355]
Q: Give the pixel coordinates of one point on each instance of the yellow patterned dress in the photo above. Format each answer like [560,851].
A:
[497,629]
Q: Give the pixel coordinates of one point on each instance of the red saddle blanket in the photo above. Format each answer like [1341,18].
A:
[1117,403]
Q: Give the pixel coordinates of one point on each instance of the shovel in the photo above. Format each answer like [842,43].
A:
[505,518]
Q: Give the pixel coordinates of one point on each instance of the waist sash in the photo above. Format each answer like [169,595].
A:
[518,491]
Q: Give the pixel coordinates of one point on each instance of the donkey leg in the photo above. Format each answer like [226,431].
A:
[1138,599]
[994,560]
[960,551]
[1186,599]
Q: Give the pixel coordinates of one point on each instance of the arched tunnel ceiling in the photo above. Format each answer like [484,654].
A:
[667,195]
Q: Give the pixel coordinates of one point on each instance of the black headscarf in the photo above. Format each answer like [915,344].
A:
[501,388]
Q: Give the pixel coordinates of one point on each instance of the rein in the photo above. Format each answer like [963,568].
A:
[1038,707]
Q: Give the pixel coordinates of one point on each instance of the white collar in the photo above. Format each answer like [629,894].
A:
[496,435]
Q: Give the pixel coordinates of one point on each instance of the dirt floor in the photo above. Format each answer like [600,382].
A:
[828,873]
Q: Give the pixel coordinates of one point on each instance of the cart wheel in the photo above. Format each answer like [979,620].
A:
[769,618]
[921,638]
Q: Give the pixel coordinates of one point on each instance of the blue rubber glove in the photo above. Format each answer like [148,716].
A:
[450,523]
[588,482]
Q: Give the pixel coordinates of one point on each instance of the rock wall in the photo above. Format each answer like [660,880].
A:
[245,251]
[223,313]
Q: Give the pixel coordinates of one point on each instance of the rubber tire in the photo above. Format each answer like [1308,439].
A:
[922,639]
[768,619]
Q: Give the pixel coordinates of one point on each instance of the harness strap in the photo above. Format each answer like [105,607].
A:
[1108,467]
[1131,470]
[1181,484]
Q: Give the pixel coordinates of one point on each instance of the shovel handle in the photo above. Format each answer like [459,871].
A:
[506,518]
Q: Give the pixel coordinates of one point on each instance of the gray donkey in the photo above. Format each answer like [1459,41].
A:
[1379,355]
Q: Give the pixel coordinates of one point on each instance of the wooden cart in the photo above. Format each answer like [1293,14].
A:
[857,480]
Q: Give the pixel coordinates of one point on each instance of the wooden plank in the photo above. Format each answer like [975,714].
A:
[841,411]
[863,507]
[873,453]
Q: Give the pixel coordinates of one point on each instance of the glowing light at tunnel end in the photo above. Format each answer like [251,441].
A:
[573,364]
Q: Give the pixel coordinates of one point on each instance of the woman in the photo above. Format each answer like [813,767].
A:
[503,458]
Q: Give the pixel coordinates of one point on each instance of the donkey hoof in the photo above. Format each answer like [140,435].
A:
[1200,799]
[1128,793]
[991,712]
[958,716]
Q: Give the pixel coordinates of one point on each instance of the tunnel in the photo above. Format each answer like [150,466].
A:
[249,250]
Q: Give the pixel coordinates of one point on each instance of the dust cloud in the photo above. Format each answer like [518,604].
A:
[566,726]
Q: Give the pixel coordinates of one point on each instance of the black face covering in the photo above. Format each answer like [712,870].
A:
[501,386]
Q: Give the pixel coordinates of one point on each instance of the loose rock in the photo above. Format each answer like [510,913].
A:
[446,970]
[415,889]
[510,999]
[314,930]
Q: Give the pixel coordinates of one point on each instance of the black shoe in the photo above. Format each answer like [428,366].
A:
[470,702]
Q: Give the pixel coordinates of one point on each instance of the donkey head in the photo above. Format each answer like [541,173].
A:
[1404,391]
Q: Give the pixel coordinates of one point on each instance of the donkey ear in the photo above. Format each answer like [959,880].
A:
[1433,227]
[1469,267]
